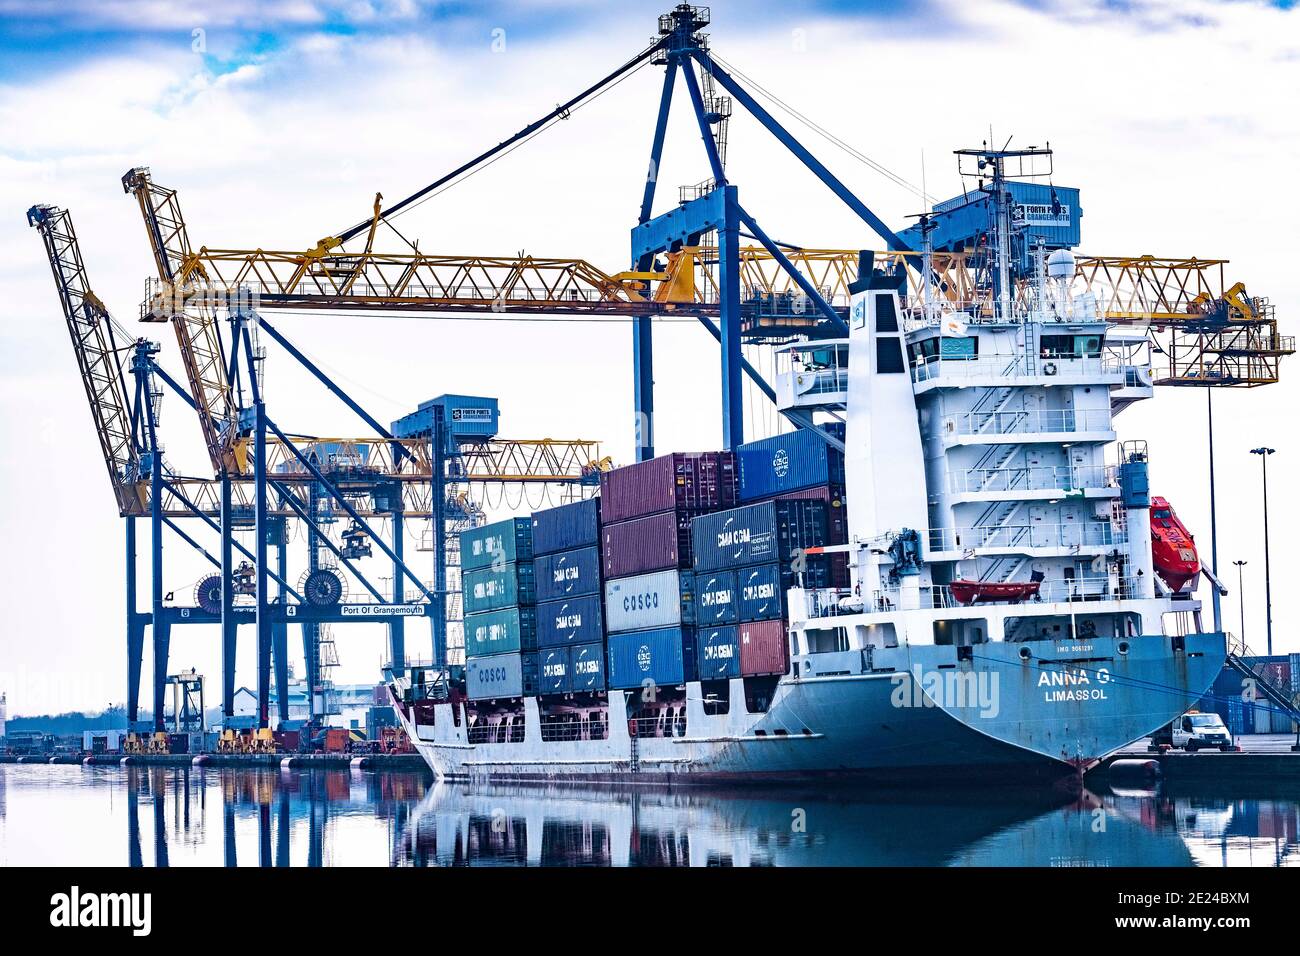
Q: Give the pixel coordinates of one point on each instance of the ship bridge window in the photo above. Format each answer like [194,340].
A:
[1069,346]
[814,360]
[947,346]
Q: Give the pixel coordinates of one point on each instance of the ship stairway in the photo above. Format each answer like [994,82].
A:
[1265,687]
[1004,570]
[994,399]
[993,461]
[998,515]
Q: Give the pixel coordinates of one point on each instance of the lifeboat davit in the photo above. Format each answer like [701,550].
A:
[1173,552]
[972,592]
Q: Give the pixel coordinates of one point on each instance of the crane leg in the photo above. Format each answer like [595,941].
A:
[280,651]
[280,631]
[397,626]
[229,628]
[134,632]
[162,638]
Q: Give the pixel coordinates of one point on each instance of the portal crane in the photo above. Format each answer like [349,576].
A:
[125,418]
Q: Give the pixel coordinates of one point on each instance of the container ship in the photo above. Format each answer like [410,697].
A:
[955,574]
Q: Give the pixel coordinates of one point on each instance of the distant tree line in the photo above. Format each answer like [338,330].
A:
[74,722]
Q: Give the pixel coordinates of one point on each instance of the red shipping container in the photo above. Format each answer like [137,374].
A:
[699,481]
[656,543]
[763,648]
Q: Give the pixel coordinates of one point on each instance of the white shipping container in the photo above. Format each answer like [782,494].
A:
[643,601]
[111,740]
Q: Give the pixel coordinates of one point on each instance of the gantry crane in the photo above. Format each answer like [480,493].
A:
[106,356]
[688,261]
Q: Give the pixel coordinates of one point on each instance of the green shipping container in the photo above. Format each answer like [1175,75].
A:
[493,589]
[499,632]
[511,539]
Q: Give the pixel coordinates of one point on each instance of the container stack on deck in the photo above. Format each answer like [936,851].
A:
[650,607]
[501,623]
[800,465]
[756,543]
[570,621]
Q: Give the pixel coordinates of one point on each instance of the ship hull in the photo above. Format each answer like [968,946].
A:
[918,714]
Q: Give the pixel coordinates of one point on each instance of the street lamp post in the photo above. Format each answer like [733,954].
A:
[1268,590]
[1241,600]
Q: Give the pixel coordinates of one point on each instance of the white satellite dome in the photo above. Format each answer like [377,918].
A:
[1060,264]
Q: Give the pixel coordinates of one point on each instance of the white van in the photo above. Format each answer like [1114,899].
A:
[1196,731]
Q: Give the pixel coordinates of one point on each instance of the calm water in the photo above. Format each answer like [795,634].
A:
[214,817]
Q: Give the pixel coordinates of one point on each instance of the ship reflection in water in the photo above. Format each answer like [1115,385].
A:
[145,816]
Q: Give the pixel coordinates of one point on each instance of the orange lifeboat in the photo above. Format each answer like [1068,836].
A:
[1173,552]
[973,592]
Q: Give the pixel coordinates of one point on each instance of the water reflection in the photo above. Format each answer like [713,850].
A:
[226,817]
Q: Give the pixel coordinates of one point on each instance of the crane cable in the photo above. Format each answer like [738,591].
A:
[483,160]
[852,151]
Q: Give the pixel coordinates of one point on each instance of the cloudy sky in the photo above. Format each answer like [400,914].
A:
[278,122]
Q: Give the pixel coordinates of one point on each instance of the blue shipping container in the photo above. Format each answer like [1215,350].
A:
[791,462]
[715,598]
[504,542]
[575,525]
[554,672]
[567,574]
[757,534]
[664,657]
[573,621]
[501,675]
[761,593]
[719,652]
[588,667]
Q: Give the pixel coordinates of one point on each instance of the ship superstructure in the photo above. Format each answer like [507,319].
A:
[1000,609]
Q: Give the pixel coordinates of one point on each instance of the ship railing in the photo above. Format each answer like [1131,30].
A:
[1029,422]
[1007,366]
[891,599]
[967,311]
[575,728]
[671,722]
[1071,534]
[1063,478]
[821,382]
[1081,589]
[497,731]
[825,602]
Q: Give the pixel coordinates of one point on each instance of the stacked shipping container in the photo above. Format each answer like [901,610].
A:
[800,465]
[570,619]
[755,545]
[650,607]
[1228,696]
[501,622]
